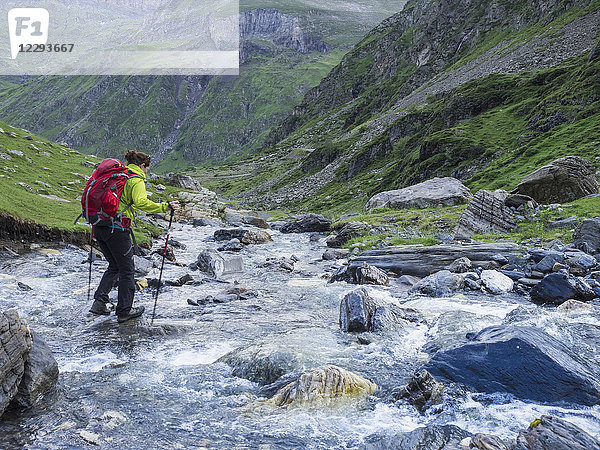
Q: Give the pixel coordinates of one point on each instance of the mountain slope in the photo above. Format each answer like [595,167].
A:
[399,108]
[287,47]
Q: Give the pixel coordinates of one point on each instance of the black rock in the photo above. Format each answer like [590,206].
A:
[356,311]
[524,361]
[307,223]
[24,287]
[421,391]
[552,433]
[556,288]
[513,274]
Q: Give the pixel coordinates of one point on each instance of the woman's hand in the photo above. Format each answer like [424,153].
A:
[174,205]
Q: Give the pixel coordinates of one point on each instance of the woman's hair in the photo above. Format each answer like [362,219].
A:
[137,158]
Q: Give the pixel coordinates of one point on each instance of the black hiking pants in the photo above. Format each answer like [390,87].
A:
[118,251]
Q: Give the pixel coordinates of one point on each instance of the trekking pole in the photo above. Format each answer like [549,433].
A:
[90,271]
[162,266]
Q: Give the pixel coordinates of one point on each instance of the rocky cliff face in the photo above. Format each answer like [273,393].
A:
[412,47]
[281,29]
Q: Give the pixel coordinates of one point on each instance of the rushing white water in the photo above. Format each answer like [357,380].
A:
[138,388]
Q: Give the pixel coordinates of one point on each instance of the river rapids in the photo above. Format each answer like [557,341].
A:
[136,386]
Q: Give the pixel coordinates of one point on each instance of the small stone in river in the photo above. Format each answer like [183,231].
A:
[233,245]
[421,391]
[89,437]
[24,287]
[495,282]
[460,265]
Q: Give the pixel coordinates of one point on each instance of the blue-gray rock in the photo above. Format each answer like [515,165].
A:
[559,287]
[439,284]
[553,433]
[584,261]
[586,236]
[40,376]
[537,254]
[442,437]
[356,311]
[570,222]
[524,361]
[513,274]
[387,317]
[142,265]
[547,263]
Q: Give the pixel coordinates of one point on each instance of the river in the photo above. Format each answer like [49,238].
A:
[162,387]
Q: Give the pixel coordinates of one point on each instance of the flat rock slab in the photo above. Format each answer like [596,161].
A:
[523,361]
[421,261]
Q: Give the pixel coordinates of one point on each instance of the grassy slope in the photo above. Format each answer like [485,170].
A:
[48,169]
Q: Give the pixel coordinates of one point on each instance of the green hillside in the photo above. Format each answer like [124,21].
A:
[367,128]
[41,181]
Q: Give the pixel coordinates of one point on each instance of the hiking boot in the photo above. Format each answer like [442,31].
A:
[101,308]
[133,313]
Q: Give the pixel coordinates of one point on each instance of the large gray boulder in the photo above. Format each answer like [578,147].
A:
[561,181]
[40,375]
[486,213]
[15,344]
[524,361]
[429,194]
[441,437]
[356,311]
[552,433]
[557,288]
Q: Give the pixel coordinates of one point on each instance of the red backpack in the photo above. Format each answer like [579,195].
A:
[102,194]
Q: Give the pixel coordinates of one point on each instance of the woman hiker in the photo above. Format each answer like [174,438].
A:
[115,241]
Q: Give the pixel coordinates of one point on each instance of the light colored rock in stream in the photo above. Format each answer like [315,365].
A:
[495,282]
[323,386]
[15,344]
[364,274]
[200,204]
[439,284]
[421,261]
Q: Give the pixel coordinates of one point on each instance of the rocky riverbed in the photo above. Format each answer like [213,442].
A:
[231,351]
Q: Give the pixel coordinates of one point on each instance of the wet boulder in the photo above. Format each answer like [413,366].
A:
[553,433]
[586,236]
[422,391]
[390,316]
[495,282]
[428,194]
[261,365]
[323,386]
[255,222]
[439,284]
[364,274]
[283,263]
[563,180]
[558,287]
[524,361]
[440,437]
[307,223]
[348,231]
[487,442]
[356,311]
[40,375]
[15,345]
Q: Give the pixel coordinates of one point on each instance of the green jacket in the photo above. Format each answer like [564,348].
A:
[135,192]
